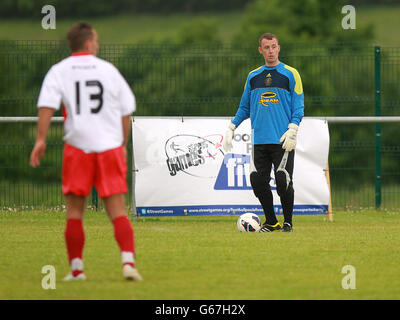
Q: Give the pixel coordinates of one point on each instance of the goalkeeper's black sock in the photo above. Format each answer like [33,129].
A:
[267,204]
[287,201]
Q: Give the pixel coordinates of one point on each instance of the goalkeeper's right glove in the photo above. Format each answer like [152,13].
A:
[229,137]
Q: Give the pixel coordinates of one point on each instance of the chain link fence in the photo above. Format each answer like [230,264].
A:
[339,79]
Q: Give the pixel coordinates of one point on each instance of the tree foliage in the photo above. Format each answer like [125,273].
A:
[90,8]
[298,21]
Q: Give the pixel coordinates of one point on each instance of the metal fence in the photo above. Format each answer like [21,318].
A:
[207,80]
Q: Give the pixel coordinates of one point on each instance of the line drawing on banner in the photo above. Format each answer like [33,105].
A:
[184,153]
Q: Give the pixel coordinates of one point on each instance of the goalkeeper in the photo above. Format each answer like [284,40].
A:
[273,99]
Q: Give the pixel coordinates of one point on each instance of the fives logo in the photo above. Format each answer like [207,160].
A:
[234,173]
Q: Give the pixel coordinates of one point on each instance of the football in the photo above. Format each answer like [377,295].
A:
[249,222]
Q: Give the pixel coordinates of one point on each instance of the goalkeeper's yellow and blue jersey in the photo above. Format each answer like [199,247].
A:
[273,97]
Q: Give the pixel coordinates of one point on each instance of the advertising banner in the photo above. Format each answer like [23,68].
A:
[182,169]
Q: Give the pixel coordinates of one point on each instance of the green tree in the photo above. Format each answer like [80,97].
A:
[298,21]
[198,30]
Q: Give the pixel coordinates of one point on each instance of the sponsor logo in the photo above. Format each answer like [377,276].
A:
[234,173]
[188,154]
[267,98]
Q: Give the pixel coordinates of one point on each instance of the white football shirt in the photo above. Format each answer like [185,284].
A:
[95,97]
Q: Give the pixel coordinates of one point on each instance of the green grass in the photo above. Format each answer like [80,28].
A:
[206,258]
[151,27]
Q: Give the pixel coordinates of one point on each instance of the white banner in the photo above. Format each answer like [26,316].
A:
[182,169]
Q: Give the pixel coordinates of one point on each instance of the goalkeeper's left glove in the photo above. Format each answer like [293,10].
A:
[289,138]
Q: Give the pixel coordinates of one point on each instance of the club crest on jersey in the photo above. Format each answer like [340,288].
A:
[268,97]
[268,80]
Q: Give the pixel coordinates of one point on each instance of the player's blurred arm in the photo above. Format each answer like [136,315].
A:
[126,128]
[39,148]
[128,106]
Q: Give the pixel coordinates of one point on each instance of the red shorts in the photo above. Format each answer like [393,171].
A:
[105,170]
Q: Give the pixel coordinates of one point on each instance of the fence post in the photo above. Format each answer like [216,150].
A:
[378,169]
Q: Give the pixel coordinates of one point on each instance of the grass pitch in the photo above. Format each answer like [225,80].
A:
[197,258]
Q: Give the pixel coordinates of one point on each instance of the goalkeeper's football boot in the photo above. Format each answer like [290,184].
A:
[71,277]
[270,228]
[131,273]
[287,227]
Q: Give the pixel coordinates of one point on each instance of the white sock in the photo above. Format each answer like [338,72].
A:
[76,266]
[127,257]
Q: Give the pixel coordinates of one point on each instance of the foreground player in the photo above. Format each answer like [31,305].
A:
[97,104]
[274,101]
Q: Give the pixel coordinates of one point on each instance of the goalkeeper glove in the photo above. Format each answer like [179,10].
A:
[289,138]
[229,137]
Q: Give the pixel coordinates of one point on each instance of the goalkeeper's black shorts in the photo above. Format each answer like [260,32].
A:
[267,155]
